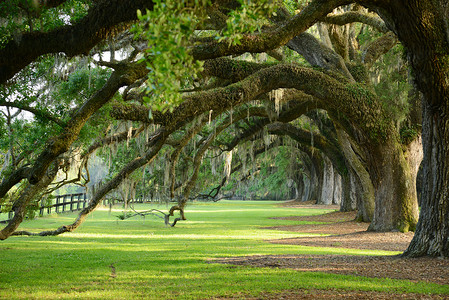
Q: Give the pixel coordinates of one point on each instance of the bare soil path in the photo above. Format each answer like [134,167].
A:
[346,233]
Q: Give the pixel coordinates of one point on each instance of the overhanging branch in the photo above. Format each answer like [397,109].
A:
[281,35]
[357,17]
[79,38]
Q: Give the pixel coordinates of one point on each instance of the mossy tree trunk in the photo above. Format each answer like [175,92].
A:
[366,205]
[423,28]
[350,188]
[327,187]
[395,197]
[432,234]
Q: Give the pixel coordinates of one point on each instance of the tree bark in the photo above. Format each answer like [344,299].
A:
[327,187]
[432,234]
[316,178]
[366,206]
[337,195]
[72,40]
[29,193]
[395,196]
[423,28]
[350,187]
[155,144]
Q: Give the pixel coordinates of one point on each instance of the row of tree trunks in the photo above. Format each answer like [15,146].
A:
[331,189]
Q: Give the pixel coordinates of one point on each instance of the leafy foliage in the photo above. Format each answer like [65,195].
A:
[393,85]
[19,16]
[168,29]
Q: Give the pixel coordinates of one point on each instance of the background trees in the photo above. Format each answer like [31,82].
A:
[194,80]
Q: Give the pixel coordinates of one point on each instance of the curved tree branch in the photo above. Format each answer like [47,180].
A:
[13,179]
[126,74]
[319,142]
[357,17]
[227,68]
[29,193]
[257,43]
[155,144]
[378,47]
[35,111]
[318,54]
[79,38]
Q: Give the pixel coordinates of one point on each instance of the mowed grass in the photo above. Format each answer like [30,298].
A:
[155,262]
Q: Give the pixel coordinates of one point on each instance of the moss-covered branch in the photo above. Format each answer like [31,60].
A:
[100,22]
[350,99]
[378,47]
[281,35]
[127,74]
[155,144]
[357,17]
[315,140]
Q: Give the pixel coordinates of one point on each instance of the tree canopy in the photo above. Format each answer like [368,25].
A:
[284,90]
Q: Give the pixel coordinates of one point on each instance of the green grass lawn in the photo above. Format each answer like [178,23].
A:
[156,262]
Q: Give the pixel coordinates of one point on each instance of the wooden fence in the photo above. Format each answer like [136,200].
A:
[63,203]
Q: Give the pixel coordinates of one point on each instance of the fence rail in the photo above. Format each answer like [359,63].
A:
[63,203]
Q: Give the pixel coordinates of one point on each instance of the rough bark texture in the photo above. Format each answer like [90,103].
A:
[350,188]
[432,233]
[327,188]
[396,202]
[374,184]
[337,195]
[422,26]
[316,178]
[357,16]
[378,47]
[30,193]
[257,43]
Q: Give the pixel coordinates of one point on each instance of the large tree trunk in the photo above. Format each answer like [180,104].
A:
[337,189]
[366,205]
[423,28]
[432,234]
[327,187]
[396,206]
[350,188]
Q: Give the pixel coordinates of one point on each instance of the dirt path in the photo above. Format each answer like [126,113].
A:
[345,233]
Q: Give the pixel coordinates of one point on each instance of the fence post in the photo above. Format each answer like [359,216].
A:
[85,200]
[71,202]
[78,202]
[57,204]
